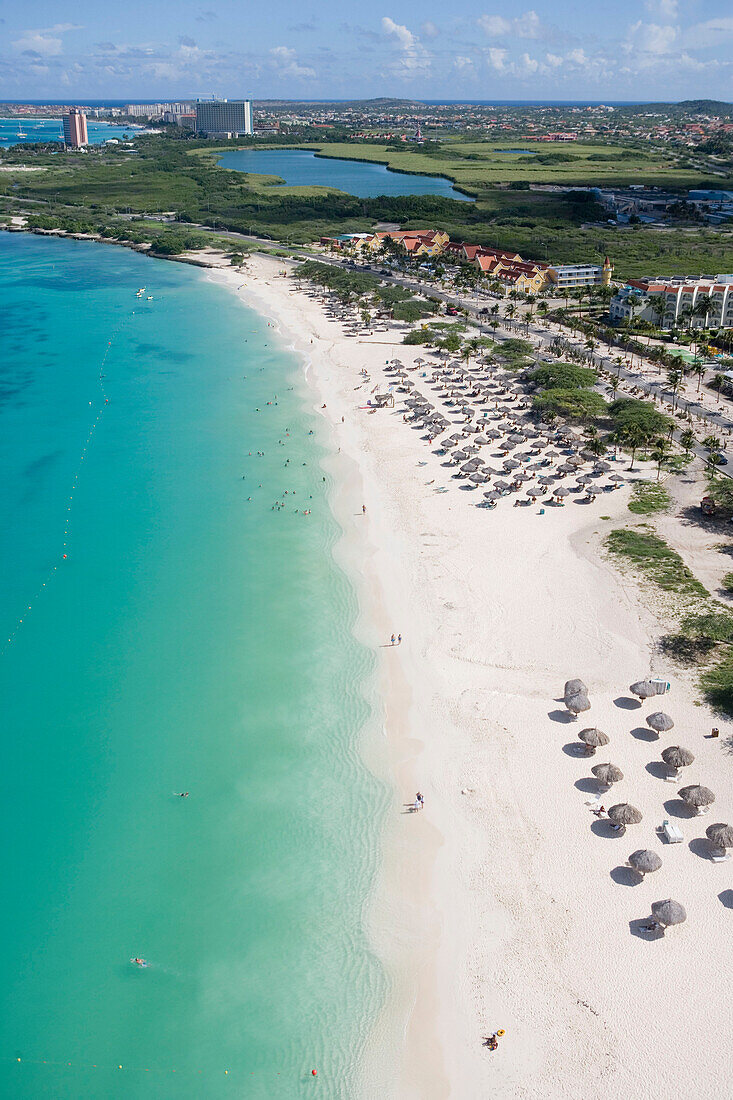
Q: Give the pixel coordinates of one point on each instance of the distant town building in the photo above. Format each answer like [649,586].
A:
[75,129]
[157,110]
[701,302]
[224,116]
[568,276]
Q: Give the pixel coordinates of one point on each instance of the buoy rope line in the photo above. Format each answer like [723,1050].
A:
[125,1067]
[64,551]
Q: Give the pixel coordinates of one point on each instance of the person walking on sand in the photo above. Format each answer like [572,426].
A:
[363,509]
[392,639]
[399,639]
[419,801]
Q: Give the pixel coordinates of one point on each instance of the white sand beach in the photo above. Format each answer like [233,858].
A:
[510,906]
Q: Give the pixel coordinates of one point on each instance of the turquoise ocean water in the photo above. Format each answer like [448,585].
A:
[51,129]
[192,639]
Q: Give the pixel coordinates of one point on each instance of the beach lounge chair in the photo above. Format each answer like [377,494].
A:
[719,855]
[672,833]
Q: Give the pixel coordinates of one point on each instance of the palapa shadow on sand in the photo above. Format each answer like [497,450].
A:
[626,876]
[636,928]
[658,769]
[700,847]
[625,702]
[602,827]
[574,748]
[589,785]
[562,716]
[726,898]
[641,733]
[675,807]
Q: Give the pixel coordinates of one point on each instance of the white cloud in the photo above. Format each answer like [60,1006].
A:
[651,38]
[711,33]
[577,57]
[667,9]
[463,64]
[526,65]
[429,30]
[494,26]
[496,59]
[47,42]
[527,25]
[414,58]
[286,62]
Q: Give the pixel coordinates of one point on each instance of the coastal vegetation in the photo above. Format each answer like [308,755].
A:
[181,177]
[655,560]
[648,497]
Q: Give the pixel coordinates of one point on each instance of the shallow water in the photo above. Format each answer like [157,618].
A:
[191,639]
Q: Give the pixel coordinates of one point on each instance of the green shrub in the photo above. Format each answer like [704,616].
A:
[563,376]
[571,404]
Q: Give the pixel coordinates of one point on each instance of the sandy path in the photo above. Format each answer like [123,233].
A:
[510,906]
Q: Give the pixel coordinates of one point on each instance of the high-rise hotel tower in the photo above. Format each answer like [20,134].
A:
[75,129]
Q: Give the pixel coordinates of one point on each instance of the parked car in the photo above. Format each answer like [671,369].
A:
[452,311]
[719,459]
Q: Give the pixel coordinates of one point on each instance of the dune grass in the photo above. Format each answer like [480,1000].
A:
[648,497]
[655,560]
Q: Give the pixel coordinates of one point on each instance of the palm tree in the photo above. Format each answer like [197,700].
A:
[699,369]
[528,318]
[702,308]
[674,377]
[712,442]
[687,440]
[634,436]
[718,382]
[658,306]
[660,453]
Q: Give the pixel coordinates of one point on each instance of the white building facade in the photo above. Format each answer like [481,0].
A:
[703,302]
[224,116]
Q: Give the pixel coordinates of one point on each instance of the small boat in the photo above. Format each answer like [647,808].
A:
[21,132]
[150,297]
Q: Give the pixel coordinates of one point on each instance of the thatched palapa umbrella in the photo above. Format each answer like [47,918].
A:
[574,687]
[669,912]
[624,814]
[675,757]
[577,704]
[645,861]
[659,721]
[697,797]
[720,836]
[591,737]
[644,689]
[607,774]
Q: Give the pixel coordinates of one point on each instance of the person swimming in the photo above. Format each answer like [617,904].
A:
[139,962]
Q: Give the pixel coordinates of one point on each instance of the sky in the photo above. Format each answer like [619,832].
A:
[637,50]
